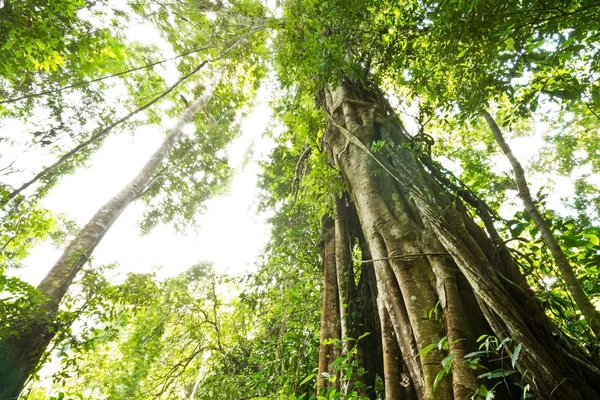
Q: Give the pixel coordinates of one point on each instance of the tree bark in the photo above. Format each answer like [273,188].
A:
[330,318]
[19,357]
[427,252]
[345,278]
[591,315]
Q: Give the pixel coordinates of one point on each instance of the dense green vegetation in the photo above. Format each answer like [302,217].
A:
[412,256]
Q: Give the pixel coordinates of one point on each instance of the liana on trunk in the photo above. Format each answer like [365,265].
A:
[440,280]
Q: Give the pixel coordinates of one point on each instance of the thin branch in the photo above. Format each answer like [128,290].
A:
[84,83]
[588,310]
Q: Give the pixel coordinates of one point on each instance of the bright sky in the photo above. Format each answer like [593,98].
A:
[230,233]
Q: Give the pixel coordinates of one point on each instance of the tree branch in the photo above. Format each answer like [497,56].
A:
[588,310]
[107,129]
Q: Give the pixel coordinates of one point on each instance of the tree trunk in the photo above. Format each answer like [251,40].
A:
[97,136]
[591,315]
[330,318]
[20,356]
[437,273]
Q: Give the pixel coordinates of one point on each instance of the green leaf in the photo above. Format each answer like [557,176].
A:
[308,378]
[498,373]
[477,353]
[447,360]
[510,43]
[515,354]
[438,378]
[483,390]
[427,349]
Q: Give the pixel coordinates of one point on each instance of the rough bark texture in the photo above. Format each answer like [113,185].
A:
[588,310]
[429,258]
[19,357]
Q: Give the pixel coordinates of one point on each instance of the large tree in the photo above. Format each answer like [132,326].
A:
[440,281]
[426,250]
[178,178]
[22,353]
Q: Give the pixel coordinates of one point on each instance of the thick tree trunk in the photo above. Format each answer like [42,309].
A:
[20,356]
[430,258]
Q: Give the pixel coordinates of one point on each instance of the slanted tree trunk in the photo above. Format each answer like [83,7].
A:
[591,315]
[97,136]
[20,356]
[437,274]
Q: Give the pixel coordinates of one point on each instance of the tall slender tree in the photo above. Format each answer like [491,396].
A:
[566,269]
[21,354]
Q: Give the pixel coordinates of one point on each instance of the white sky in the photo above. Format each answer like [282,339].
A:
[230,233]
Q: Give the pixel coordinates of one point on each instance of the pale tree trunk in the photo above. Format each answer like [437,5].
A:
[592,316]
[330,317]
[430,259]
[97,136]
[19,357]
